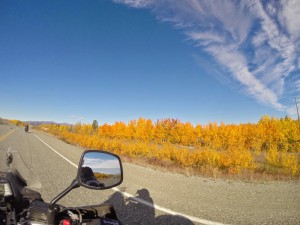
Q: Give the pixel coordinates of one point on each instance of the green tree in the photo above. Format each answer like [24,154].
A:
[95,125]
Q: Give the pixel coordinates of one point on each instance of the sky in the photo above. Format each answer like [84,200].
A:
[102,163]
[198,61]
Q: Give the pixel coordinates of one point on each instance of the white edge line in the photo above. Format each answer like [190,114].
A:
[171,212]
[160,208]
[73,164]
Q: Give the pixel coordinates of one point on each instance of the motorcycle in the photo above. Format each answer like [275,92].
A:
[26,127]
[22,205]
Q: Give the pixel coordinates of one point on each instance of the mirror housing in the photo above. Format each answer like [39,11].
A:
[99,170]
[96,170]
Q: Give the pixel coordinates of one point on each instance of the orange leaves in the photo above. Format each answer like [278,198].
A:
[290,163]
[226,147]
[17,122]
[272,156]
[287,161]
[144,130]
[236,159]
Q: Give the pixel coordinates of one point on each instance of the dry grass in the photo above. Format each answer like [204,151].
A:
[259,175]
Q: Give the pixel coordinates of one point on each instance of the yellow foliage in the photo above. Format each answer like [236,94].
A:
[290,163]
[228,147]
[273,157]
[17,122]
[235,159]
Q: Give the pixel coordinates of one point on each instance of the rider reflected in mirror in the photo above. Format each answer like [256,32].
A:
[100,170]
[88,177]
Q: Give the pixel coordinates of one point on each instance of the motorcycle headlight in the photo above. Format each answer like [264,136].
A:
[5,189]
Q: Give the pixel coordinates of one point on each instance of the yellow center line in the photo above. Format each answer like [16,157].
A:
[6,135]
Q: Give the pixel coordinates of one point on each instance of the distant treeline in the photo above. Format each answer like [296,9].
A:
[232,148]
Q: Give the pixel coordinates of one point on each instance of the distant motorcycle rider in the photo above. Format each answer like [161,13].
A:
[26,127]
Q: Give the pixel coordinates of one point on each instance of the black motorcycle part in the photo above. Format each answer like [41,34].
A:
[51,210]
[18,185]
[30,194]
[103,221]
[96,211]
[7,215]
[38,211]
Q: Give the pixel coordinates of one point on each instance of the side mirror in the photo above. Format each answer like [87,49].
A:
[99,170]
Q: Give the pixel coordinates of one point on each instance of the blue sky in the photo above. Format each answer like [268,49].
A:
[102,163]
[118,60]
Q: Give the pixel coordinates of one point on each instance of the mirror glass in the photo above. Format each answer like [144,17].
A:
[100,170]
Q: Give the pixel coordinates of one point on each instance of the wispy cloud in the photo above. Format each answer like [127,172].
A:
[290,16]
[297,84]
[255,42]
[110,166]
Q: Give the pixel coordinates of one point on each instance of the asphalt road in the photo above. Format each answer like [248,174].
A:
[157,195]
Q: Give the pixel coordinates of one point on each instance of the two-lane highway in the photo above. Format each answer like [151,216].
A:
[195,200]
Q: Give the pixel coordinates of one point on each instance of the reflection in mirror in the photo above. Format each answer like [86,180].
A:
[100,170]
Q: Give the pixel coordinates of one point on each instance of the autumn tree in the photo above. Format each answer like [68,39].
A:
[228,147]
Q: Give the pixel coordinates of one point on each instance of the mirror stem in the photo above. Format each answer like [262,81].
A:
[51,209]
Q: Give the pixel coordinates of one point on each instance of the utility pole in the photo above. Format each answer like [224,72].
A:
[297,101]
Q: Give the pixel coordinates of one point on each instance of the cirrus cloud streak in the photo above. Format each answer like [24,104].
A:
[255,42]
